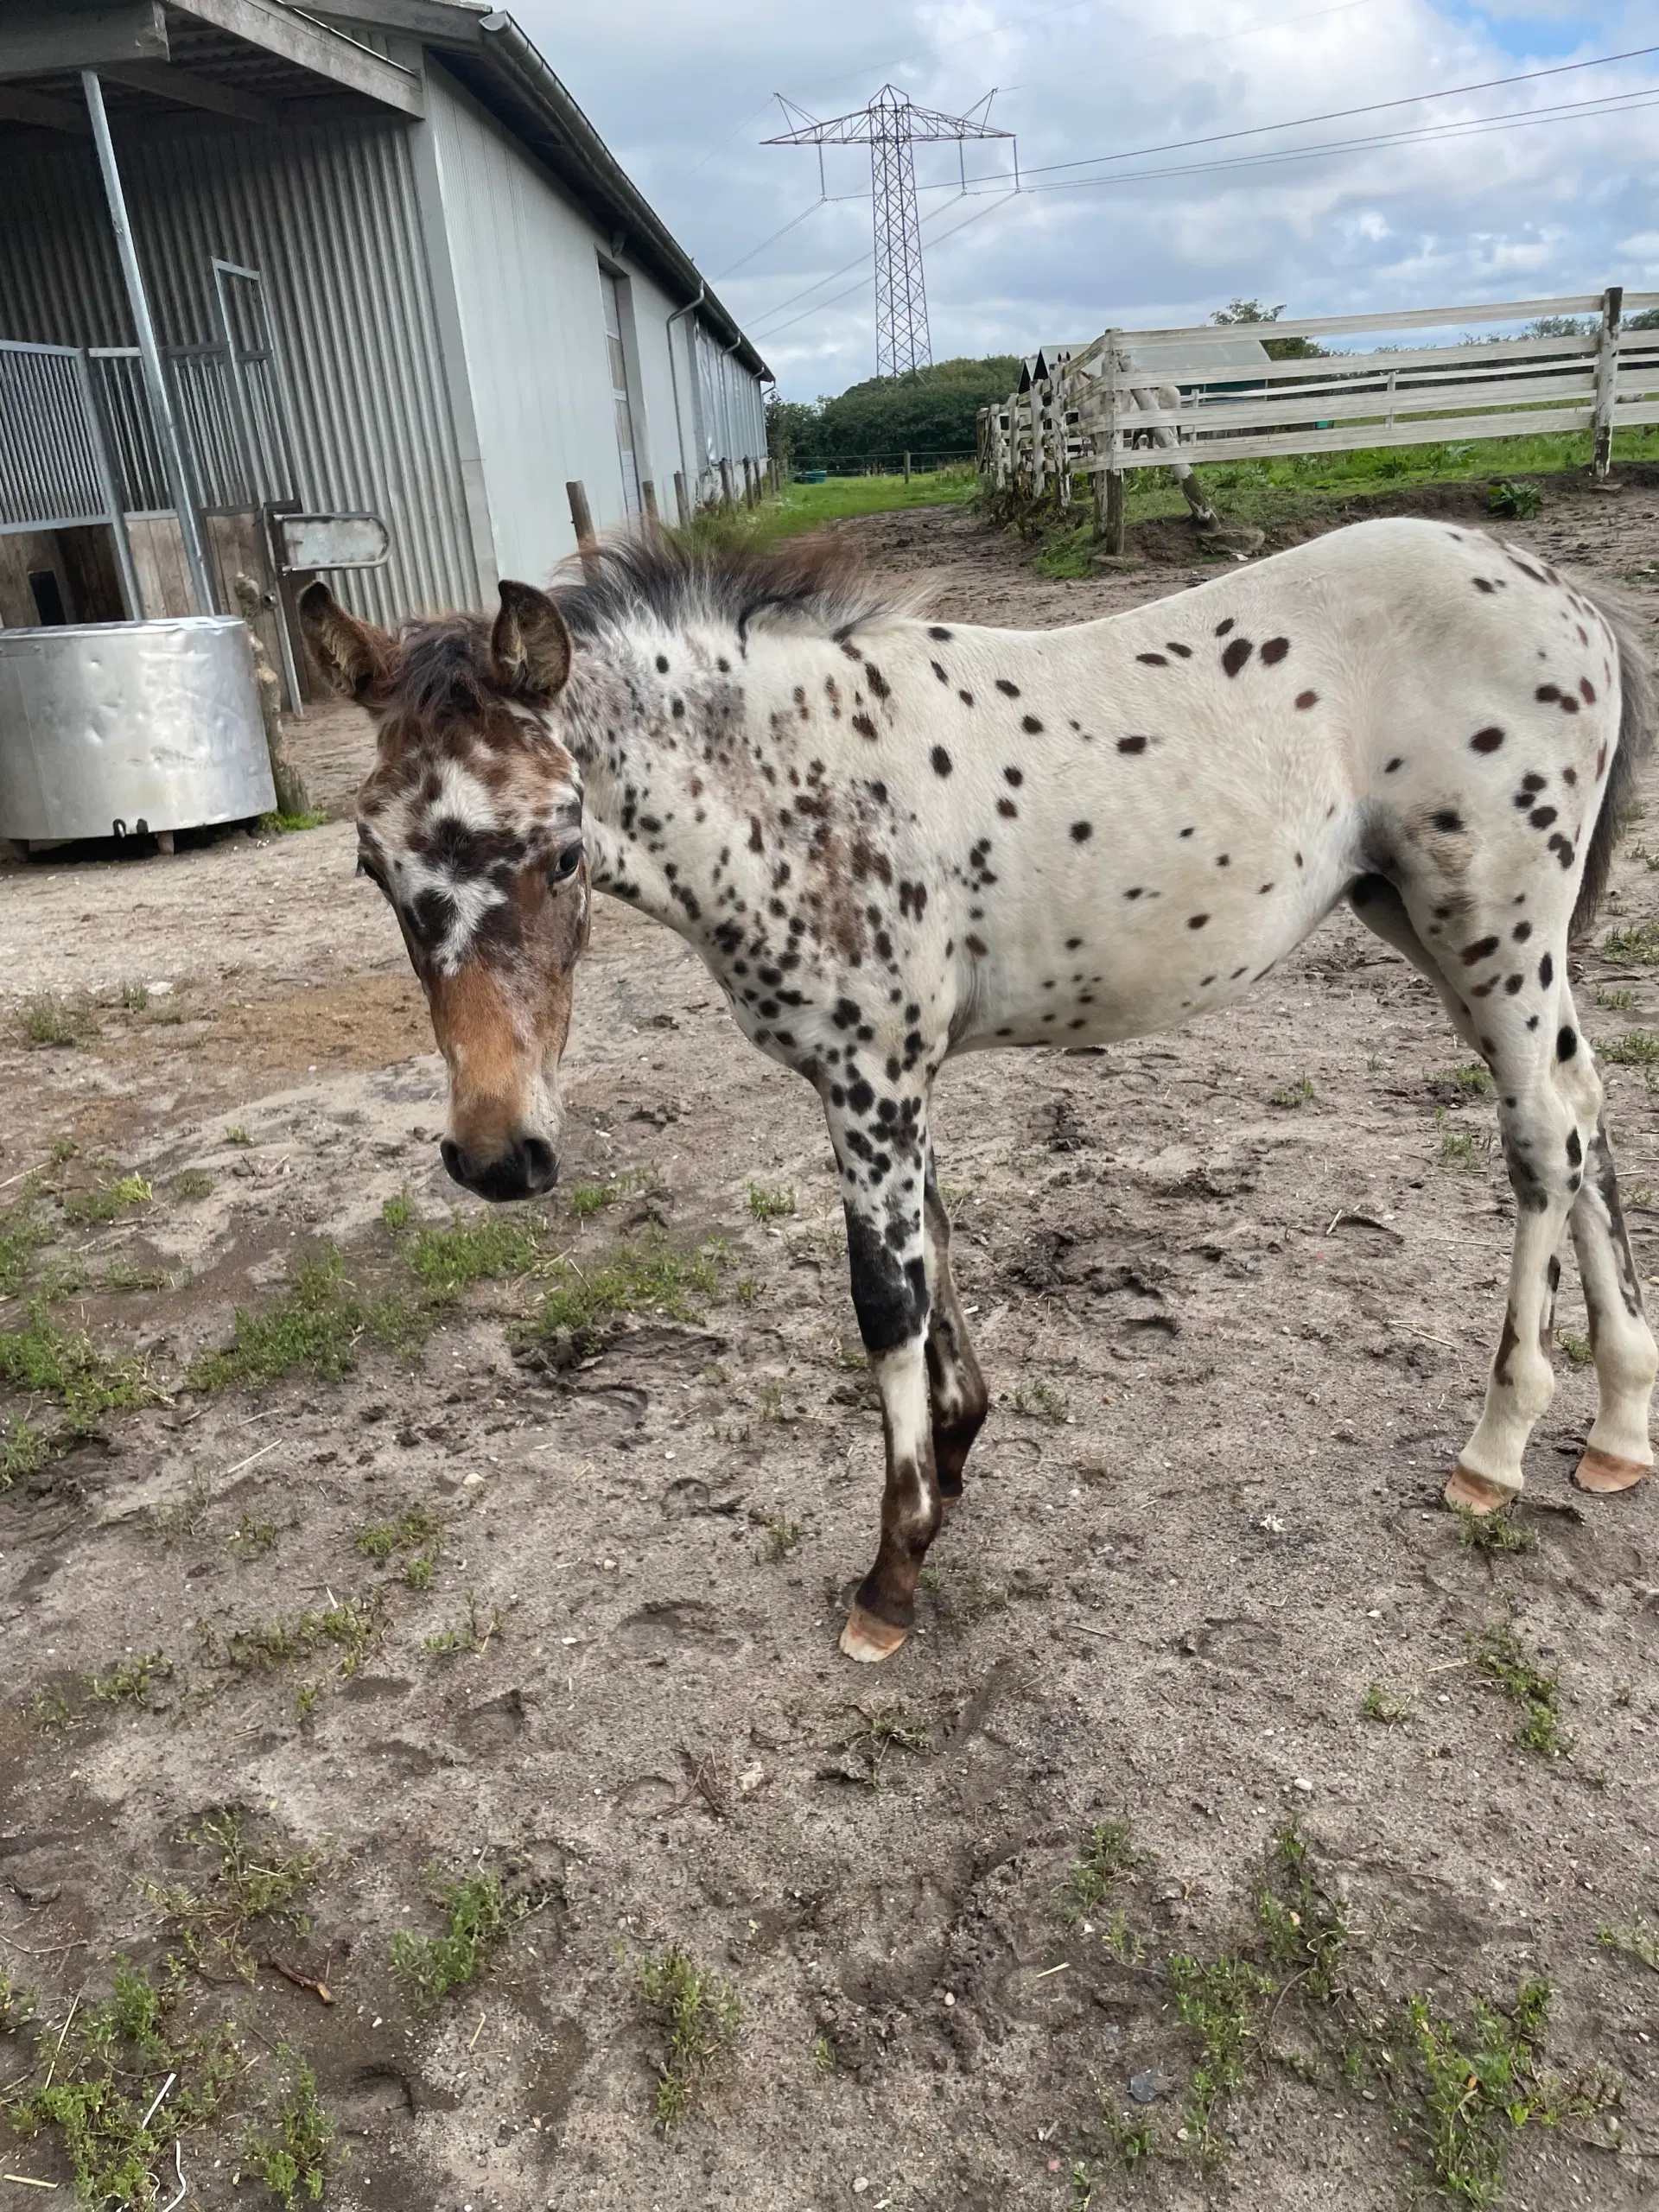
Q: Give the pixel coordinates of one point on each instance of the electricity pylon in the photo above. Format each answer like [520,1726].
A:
[890,126]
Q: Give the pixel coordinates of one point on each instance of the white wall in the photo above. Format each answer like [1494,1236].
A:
[525,262]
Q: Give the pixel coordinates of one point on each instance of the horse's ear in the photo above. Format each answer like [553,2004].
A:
[530,644]
[354,656]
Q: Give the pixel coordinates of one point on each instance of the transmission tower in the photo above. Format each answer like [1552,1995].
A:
[891,126]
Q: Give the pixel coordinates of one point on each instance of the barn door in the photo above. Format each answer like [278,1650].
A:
[611,291]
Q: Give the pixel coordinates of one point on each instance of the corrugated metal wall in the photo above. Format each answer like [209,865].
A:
[732,414]
[525,263]
[329,216]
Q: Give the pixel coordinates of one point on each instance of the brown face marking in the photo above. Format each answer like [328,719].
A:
[1307,699]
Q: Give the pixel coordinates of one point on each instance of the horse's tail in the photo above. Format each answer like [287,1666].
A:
[1639,707]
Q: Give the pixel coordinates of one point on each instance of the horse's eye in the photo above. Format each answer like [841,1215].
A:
[566,864]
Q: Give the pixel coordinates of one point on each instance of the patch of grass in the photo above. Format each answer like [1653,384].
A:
[1637,945]
[284,826]
[23,1450]
[293,2151]
[99,2074]
[346,1627]
[1388,1712]
[131,1680]
[397,1212]
[316,1327]
[1040,1400]
[477,1247]
[772,1205]
[1502,1658]
[105,1201]
[23,1231]
[480,1912]
[190,1184]
[769,1400]
[1119,1940]
[1636,1048]
[1221,2003]
[414,1526]
[50,1710]
[823,2055]
[698,2013]
[1461,1147]
[45,1361]
[250,1539]
[1306,1930]
[780,1537]
[878,1730]
[1067,552]
[1109,1856]
[1130,2137]
[1292,1096]
[965,1596]
[629,1279]
[132,998]
[48,1020]
[237,1135]
[1493,1532]
[1514,502]
[472,1634]
[1482,2081]
[63,1149]
[1472,1080]
[1577,1351]
[246,1884]
[1637,1939]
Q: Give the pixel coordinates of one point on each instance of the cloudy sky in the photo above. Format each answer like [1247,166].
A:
[1522,190]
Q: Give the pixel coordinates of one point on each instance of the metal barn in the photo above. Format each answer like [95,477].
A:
[392,271]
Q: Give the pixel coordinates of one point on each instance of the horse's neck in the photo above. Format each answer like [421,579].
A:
[667,829]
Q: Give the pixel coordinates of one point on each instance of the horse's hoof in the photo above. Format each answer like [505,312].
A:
[868,1639]
[1603,1473]
[1478,1494]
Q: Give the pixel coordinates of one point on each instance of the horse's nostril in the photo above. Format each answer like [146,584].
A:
[540,1163]
[450,1152]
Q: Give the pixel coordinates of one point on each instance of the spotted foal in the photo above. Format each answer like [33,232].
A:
[894,841]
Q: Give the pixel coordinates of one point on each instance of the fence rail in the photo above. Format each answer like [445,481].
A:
[1101,410]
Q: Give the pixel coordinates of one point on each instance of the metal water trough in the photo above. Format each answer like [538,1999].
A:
[129,728]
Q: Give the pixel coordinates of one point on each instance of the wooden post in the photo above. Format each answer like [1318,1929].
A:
[751,483]
[1108,494]
[906,469]
[582,521]
[726,498]
[680,506]
[648,495]
[1613,316]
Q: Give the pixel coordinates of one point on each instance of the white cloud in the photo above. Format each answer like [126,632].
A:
[1562,206]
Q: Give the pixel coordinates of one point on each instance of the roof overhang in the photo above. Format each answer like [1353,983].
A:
[251,61]
[487,51]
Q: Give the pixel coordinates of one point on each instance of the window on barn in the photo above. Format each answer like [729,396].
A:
[611,290]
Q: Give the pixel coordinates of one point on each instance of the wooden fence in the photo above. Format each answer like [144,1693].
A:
[1095,410]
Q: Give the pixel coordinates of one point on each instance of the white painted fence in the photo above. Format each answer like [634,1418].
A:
[1164,398]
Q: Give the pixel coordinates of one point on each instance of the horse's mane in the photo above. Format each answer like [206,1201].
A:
[819,582]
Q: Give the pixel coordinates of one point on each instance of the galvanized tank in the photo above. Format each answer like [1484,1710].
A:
[114,728]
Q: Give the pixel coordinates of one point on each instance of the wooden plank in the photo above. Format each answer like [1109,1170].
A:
[191,90]
[35,38]
[1447,405]
[46,114]
[1333,325]
[1362,436]
[309,46]
[1453,360]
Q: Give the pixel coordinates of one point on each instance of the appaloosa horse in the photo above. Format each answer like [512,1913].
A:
[893,841]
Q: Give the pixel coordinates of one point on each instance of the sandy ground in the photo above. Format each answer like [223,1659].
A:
[1234,1341]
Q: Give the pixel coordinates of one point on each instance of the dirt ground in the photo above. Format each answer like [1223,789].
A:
[1235,1292]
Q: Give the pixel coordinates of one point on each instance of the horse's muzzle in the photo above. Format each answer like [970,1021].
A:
[531,1165]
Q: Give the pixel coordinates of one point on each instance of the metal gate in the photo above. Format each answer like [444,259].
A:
[78,443]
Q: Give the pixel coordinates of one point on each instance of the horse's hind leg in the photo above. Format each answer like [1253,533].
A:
[1509,974]
[1618,1453]
[958,1398]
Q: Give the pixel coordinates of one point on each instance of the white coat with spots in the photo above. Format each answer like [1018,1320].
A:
[894,841]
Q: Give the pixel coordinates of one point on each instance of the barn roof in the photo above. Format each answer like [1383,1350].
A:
[266,62]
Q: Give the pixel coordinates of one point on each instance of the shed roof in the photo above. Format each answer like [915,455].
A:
[266,62]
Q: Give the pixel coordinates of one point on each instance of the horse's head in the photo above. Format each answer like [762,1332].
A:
[471,824]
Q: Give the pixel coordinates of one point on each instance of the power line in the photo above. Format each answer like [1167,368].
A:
[1000,200]
[1345,114]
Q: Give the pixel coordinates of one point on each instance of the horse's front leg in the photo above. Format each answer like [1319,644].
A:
[882,1176]
[956,1390]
